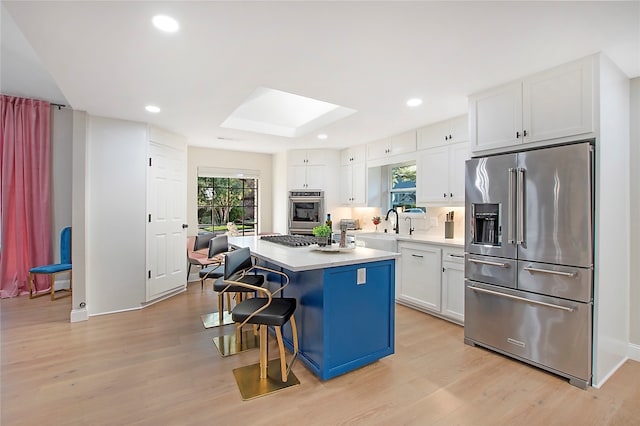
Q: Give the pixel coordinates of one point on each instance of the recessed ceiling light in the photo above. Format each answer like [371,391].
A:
[322,136]
[152,108]
[165,23]
[414,102]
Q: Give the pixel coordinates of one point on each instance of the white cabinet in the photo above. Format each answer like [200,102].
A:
[431,279]
[353,184]
[420,275]
[308,169]
[440,174]
[403,143]
[453,284]
[353,176]
[353,155]
[446,132]
[550,105]
[306,177]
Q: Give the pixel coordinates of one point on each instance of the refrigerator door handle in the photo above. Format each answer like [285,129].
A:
[521,299]
[521,237]
[510,206]
[486,262]
[548,271]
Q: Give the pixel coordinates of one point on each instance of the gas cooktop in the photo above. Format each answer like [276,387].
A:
[290,240]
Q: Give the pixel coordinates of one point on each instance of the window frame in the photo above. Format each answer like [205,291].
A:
[230,185]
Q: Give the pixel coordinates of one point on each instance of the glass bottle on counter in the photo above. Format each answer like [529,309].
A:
[330,225]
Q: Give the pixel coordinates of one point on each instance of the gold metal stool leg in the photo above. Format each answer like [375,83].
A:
[250,379]
[220,318]
[239,341]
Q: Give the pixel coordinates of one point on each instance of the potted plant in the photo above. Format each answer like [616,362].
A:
[322,234]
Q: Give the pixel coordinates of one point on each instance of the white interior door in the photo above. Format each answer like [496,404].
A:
[166,237]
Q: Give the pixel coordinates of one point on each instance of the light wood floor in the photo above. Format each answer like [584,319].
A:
[158,366]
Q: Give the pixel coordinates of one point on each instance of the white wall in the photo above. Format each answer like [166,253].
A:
[61,179]
[116,215]
[280,195]
[79,217]
[207,157]
[612,258]
[634,332]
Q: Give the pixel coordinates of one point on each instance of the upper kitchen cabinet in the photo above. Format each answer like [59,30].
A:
[308,168]
[353,185]
[353,155]
[391,150]
[353,175]
[445,132]
[552,105]
[440,174]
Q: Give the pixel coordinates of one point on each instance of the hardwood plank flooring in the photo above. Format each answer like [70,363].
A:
[159,366]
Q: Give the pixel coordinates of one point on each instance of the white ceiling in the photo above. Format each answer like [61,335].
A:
[106,58]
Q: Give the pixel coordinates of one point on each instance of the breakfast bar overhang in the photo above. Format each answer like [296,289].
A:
[345,303]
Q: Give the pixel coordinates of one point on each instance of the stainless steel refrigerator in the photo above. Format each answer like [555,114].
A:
[529,257]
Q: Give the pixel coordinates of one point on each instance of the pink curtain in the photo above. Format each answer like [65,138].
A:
[25,208]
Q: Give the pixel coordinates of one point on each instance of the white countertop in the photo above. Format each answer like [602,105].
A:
[306,258]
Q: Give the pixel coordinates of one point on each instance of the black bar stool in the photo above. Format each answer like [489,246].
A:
[265,311]
[236,265]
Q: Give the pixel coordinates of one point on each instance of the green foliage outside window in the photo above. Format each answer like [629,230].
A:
[223,200]
[403,187]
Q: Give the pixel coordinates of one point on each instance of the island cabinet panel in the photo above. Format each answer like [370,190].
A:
[343,325]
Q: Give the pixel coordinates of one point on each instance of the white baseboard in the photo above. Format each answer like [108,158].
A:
[116,311]
[634,352]
[78,315]
[62,284]
[611,373]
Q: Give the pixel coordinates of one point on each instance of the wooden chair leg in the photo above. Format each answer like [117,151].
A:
[229,302]
[31,285]
[53,289]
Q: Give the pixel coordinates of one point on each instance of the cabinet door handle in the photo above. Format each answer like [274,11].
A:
[451,195]
[459,256]
[445,195]
[517,135]
[524,133]
[417,255]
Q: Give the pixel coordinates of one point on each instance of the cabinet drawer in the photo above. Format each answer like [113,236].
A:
[452,255]
[491,270]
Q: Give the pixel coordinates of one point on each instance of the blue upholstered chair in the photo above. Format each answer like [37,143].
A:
[56,268]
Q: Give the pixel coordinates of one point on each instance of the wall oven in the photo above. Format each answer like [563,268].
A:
[306,211]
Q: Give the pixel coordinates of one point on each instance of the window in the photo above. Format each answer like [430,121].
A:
[225,199]
[402,187]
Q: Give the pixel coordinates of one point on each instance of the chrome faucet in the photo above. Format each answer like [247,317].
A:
[386,217]
[410,225]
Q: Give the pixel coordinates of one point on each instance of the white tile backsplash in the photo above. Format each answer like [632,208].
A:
[429,223]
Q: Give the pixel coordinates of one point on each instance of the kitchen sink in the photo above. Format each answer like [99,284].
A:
[378,240]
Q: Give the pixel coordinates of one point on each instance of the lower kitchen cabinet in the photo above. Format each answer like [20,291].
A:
[431,279]
[420,275]
[453,284]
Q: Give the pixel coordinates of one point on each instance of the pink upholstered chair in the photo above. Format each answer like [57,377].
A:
[198,251]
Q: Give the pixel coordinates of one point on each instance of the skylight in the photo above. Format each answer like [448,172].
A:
[283,114]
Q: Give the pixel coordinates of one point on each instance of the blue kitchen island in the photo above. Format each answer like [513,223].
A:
[345,303]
